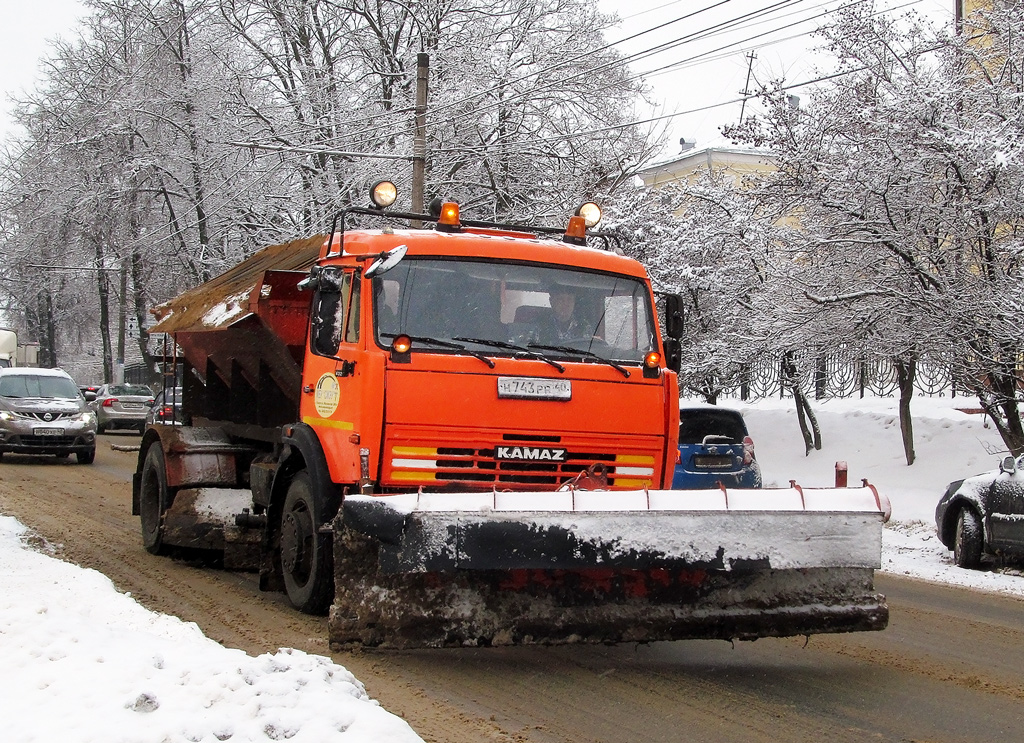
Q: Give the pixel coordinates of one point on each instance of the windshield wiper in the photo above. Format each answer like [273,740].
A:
[580,352]
[513,347]
[443,344]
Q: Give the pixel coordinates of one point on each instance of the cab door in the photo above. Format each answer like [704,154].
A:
[331,399]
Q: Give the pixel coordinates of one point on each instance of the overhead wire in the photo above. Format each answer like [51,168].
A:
[511,147]
[757,17]
[719,27]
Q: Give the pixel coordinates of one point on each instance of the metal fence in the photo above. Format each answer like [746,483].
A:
[839,375]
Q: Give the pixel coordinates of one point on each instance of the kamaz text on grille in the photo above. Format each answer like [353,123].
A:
[530,452]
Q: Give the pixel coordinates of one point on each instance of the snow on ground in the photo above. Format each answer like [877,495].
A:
[83,662]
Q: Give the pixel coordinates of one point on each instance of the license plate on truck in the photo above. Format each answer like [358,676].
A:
[48,431]
[533,388]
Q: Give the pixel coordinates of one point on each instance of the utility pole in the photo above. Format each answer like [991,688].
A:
[751,56]
[419,144]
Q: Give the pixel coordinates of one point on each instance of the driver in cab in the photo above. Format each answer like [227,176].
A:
[563,322]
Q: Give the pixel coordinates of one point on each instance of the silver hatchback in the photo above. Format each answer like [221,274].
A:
[42,411]
[122,406]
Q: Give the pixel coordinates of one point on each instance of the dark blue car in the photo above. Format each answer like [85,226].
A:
[714,447]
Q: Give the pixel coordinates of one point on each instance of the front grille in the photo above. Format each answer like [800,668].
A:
[42,416]
[518,461]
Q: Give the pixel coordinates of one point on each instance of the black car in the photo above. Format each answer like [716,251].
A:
[984,515]
[166,407]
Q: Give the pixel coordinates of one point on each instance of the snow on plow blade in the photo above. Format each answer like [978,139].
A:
[435,570]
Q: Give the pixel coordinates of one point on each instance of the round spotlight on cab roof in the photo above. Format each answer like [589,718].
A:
[590,212]
[383,194]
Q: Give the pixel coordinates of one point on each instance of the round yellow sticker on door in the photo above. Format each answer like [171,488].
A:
[327,395]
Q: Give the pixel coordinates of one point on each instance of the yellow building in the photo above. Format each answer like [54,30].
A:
[735,162]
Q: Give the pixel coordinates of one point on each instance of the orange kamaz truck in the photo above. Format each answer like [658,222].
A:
[453,432]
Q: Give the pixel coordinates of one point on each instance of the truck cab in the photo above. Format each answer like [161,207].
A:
[447,370]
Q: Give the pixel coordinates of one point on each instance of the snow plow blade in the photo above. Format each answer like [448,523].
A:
[439,570]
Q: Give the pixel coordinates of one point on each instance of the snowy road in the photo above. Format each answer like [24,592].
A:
[949,668]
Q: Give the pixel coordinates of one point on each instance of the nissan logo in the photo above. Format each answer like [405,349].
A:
[47,416]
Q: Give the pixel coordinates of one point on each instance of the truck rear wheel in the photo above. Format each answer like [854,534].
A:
[153,500]
[306,559]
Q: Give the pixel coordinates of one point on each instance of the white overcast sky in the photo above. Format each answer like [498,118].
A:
[26,29]
[690,74]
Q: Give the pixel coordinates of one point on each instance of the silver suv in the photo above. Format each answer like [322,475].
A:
[42,411]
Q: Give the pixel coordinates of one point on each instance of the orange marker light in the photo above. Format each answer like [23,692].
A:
[652,360]
[401,344]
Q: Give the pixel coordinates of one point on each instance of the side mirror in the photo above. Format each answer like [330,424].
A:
[674,315]
[386,261]
[89,396]
[1008,465]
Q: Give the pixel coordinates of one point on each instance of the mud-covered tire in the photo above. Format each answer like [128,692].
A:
[967,541]
[86,457]
[307,562]
[153,500]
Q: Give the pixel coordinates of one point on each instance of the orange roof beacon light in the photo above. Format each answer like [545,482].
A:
[448,219]
[383,194]
[576,232]
[591,214]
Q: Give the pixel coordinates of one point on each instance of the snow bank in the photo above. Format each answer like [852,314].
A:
[83,662]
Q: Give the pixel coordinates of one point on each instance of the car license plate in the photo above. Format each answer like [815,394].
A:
[131,405]
[711,462]
[48,431]
[532,388]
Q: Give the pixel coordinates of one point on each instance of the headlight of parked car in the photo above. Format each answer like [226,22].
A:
[6,416]
[86,418]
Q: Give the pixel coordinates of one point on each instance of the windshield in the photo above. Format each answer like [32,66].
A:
[25,385]
[484,306]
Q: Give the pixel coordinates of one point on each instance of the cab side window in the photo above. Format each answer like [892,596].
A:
[352,323]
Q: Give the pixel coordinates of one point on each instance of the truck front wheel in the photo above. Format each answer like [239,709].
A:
[306,559]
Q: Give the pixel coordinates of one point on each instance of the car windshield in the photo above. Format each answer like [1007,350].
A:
[27,385]
[130,389]
[694,425]
[498,308]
